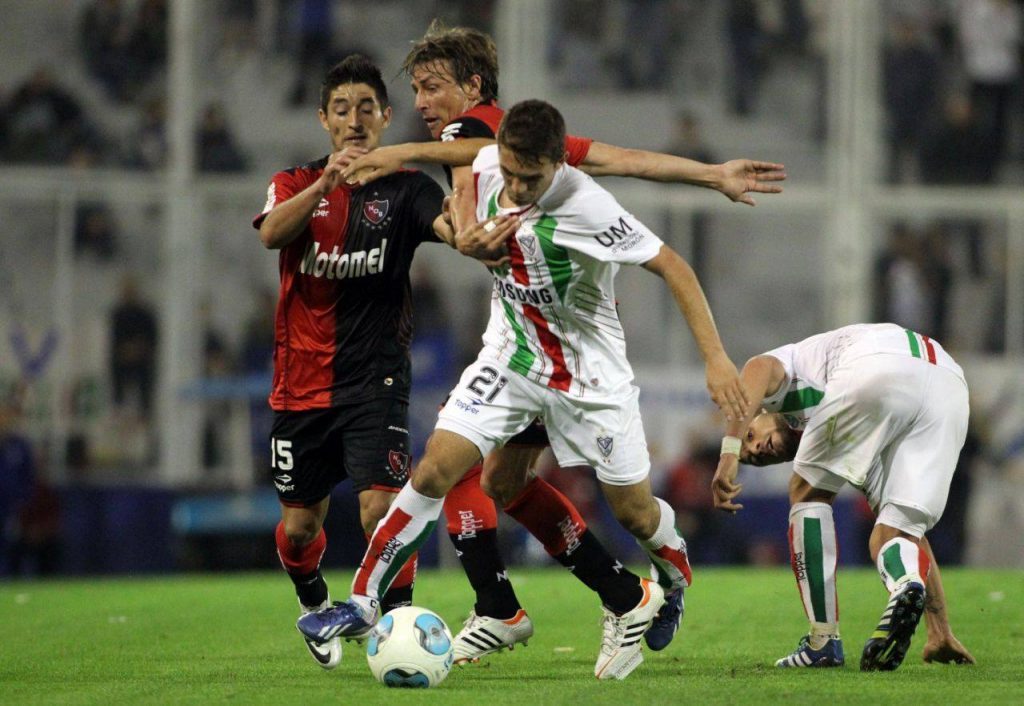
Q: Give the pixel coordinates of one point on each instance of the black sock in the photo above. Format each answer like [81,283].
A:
[486,572]
[591,563]
[310,588]
[396,598]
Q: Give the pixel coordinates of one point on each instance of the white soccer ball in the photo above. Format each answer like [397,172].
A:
[410,647]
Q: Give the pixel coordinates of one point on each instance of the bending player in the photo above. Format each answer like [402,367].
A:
[554,347]
[454,74]
[885,410]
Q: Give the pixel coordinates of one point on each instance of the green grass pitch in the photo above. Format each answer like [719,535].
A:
[231,639]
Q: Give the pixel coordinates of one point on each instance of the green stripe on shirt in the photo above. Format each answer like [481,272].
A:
[522,359]
[801,399]
[556,256]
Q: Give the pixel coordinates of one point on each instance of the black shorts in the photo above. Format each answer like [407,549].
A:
[313,451]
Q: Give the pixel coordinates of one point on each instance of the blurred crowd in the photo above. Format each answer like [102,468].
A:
[122,46]
[952,89]
[952,76]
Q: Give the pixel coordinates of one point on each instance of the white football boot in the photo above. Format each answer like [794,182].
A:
[620,645]
[326,654]
[482,635]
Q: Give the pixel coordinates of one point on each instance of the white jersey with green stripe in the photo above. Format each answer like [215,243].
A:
[553,312]
[809,364]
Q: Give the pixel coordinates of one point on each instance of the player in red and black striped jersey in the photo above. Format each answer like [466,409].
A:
[342,331]
[454,73]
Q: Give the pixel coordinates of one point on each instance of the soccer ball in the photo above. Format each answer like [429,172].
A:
[410,647]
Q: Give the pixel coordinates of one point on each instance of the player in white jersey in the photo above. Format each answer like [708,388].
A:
[554,349]
[884,409]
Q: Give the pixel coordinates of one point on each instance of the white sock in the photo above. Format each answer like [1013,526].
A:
[813,553]
[410,520]
[821,633]
[667,550]
[900,562]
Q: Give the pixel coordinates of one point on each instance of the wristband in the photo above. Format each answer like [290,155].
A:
[731,445]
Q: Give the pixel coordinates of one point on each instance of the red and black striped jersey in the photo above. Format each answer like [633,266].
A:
[344,314]
[482,120]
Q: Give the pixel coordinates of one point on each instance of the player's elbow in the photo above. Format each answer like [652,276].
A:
[271,237]
[668,264]
[758,364]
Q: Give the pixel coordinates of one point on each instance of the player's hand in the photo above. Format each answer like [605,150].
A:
[333,175]
[741,177]
[485,241]
[374,165]
[446,212]
[724,487]
[725,387]
[947,650]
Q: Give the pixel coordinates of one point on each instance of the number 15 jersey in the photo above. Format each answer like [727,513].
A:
[553,314]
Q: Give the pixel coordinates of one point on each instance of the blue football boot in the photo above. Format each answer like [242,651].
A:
[340,620]
[666,622]
[831,655]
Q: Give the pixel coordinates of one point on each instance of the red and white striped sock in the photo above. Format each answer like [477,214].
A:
[667,550]
[409,522]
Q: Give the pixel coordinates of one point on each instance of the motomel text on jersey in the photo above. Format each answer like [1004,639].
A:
[524,295]
[342,265]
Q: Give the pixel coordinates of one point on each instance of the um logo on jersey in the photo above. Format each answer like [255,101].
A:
[620,237]
[342,265]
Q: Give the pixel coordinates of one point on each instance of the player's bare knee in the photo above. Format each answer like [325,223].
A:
[503,485]
[373,505]
[639,519]
[301,531]
[882,533]
[429,479]
[800,491]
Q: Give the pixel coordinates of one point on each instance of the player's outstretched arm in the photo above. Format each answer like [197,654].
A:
[388,160]
[942,645]
[760,377]
[737,179]
[289,218]
[722,379]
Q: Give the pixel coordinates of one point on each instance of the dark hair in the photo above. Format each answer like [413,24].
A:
[468,52]
[354,68]
[533,129]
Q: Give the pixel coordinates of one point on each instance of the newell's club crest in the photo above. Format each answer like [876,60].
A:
[529,245]
[399,462]
[605,445]
[375,211]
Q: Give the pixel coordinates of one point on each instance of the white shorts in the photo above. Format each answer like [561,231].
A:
[491,404]
[892,426]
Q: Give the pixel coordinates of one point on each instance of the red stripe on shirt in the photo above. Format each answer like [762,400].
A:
[561,378]
[930,348]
